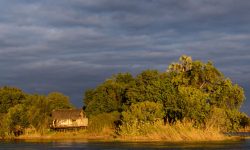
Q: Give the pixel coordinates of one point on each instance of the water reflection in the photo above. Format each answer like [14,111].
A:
[94,145]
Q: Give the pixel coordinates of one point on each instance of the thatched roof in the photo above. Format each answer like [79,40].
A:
[67,114]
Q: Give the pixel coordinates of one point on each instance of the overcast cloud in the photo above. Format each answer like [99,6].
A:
[71,45]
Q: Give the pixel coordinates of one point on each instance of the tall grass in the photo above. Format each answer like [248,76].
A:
[103,124]
[181,131]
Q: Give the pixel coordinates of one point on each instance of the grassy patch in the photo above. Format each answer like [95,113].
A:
[177,132]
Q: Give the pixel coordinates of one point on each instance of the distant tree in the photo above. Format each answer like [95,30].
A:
[17,119]
[184,65]
[19,110]
[147,87]
[88,96]
[244,120]
[123,78]
[9,97]
[108,96]
[57,100]
[105,98]
[39,112]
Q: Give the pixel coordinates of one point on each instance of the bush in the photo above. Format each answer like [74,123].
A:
[139,117]
[102,123]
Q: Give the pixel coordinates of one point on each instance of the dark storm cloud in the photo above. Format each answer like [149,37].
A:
[70,46]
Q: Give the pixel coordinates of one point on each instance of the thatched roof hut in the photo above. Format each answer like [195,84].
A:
[68,114]
[65,118]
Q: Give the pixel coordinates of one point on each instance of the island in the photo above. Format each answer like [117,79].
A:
[189,101]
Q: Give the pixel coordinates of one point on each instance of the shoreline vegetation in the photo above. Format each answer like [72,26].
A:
[191,101]
[176,133]
[181,132]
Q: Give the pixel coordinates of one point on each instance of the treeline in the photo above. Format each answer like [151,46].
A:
[19,110]
[188,91]
[189,95]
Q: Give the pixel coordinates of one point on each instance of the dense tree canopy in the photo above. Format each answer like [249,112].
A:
[9,97]
[188,90]
[19,110]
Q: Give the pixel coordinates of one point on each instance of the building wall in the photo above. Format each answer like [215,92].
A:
[82,122]
[72,123]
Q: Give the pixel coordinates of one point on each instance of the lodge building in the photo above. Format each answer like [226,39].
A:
[68,118]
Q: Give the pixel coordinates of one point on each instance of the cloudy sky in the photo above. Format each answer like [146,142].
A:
[71,45]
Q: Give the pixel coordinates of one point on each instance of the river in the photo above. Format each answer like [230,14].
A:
[94,145]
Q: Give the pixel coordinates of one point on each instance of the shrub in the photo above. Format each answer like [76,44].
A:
[102,122]
[137,119]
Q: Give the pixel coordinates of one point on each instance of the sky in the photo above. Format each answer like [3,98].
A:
[72,45]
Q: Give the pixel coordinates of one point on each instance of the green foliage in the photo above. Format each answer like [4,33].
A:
[17,119]
[102,122]
[3,126]
[217,118]
[194,104]
[57,100]
[41,107]
[143,112]
[138,115]
[39,112]
[233,120]
[108,96]
[20,110]
[147,87]
[236,120]
[9,97]
[190,90]
[105,99]
[244,120]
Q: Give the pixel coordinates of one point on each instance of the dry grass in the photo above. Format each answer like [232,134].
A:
[69,135]
[177,132]
[147,132]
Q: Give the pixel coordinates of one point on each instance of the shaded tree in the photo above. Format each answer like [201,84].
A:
[17,119]
[57,100]
[108,96]
[9,97]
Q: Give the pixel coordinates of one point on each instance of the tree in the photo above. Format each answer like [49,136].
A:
[184,65]
[147,87]
[194,104]
[17,119]
[9,97]
[105,98]
[57,100]
[108,96]
[143,112]
[140,115]
[203,84]
[191,90]
[39,112]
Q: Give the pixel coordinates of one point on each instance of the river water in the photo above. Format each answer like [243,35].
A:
[94,145]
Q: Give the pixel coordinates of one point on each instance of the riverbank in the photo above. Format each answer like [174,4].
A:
[167,136]
[179,132]
[119,139]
